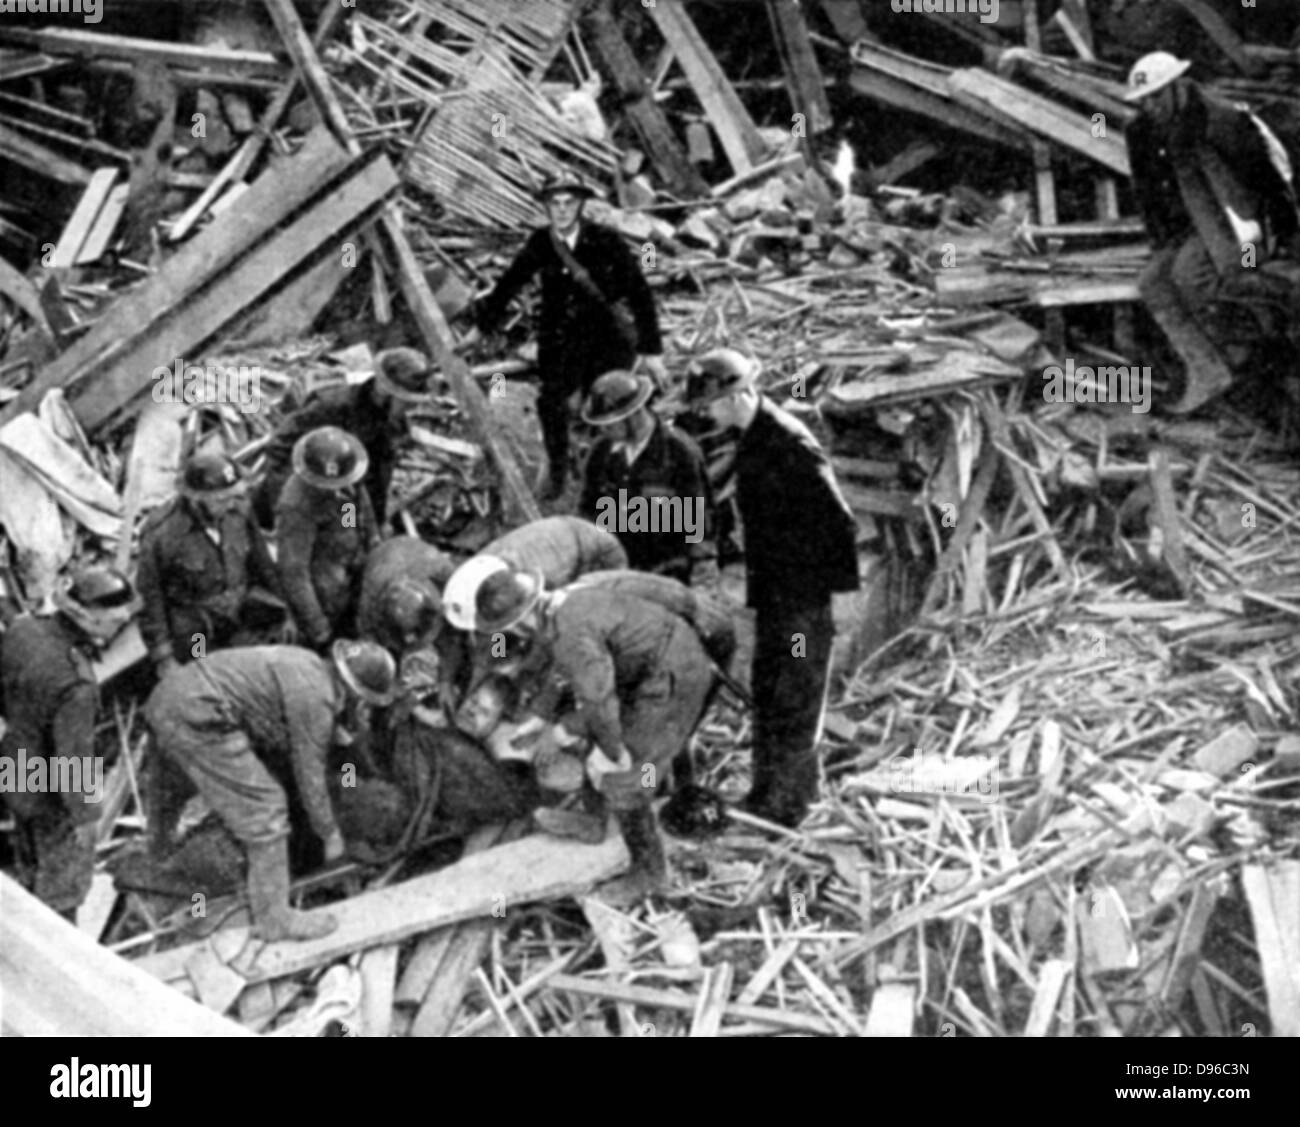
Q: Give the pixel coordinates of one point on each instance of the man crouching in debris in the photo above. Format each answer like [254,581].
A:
[375,411]
[641,679]
[206,575]
[223,718]
[324,530]
[800,546]
[1213,184]
[51,701]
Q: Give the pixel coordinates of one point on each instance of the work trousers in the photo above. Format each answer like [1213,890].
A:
[792,655]
[51,863]
[658,717]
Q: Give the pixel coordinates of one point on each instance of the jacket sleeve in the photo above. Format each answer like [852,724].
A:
[296,536]
[633,286]
[593,480]
[73,729]
[691,480]
[154,628]
[584,659]
[309,715]
[811,485]
[489,310]
[261,568]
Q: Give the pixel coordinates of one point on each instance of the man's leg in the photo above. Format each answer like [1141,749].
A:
[64,866]
[553,412]
[791,672]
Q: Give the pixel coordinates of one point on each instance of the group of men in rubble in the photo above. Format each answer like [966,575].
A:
[581,651]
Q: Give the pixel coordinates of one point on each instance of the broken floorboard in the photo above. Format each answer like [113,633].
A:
[535,868]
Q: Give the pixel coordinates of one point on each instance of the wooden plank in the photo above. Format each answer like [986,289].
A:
[23,294]
[99,236]
[1221,35]
[96,47]
[98,906]
[1273,893]
[714,994]
[1052,977]
[132,319]
[684,1003]
[620,67]
[22,150]
[1052,122]
[893,1011]
[464,949]
[726,113]
[378,971]
[77,230]
[938,107]
[116,388]
[1165,509]
[535,868]
[57,982]
[803,76]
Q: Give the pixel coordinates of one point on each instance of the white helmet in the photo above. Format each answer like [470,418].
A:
[1153,72]
[460,595]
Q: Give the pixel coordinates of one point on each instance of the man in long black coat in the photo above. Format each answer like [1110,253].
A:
[587,325]
[800,546]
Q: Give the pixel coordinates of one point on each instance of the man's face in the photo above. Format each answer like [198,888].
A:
[722,412]
[480,713]
[214,510]
[1162,106]
[563,210]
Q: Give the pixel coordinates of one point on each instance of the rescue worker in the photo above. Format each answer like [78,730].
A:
[560,547]
[1214,187]
[641,679]
[800,546]
[405,562]
[374,411]
[225,718]
[51,703]
[205,574]
[645,480]
[324,530]
[597,312]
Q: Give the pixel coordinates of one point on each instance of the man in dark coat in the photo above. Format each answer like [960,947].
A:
[324,530]
[800,546]
[374,411]
[641,679]
[1211,183]
[201,556]
[50,779]
[594,318]
[224,718]
[645,481]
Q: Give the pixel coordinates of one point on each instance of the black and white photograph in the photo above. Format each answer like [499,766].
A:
[651,519]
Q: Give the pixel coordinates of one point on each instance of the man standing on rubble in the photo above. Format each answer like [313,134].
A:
[201,558]
[324,530]
[374,411]
[800,546]
[645,479]
[1214,187]
[51,701]
[225,717]
[641,679]
[597,311]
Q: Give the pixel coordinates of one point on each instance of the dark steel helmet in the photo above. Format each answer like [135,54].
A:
[209,476]
[565,181]
[330,458]
[505,597]
[719,373]
[367,669]
[410,608]
[615,396]
[99,600]
[404,374]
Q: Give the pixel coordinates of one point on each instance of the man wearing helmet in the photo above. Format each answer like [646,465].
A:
[201,556]
[800,547]
[643,467]
[1214,187]
[374,411]
[51,699]
[588,276]
[324,529]
[241,724]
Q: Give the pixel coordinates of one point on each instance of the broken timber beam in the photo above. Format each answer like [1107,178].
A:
[534,868]
[35,156]
[415,289]
[736,130]
[621,68]
[803,75]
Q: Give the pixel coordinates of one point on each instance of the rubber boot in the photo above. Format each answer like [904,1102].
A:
[649,872]
[268,895]
[783,793]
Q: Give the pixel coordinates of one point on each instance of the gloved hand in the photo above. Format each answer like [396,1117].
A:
[599,765]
